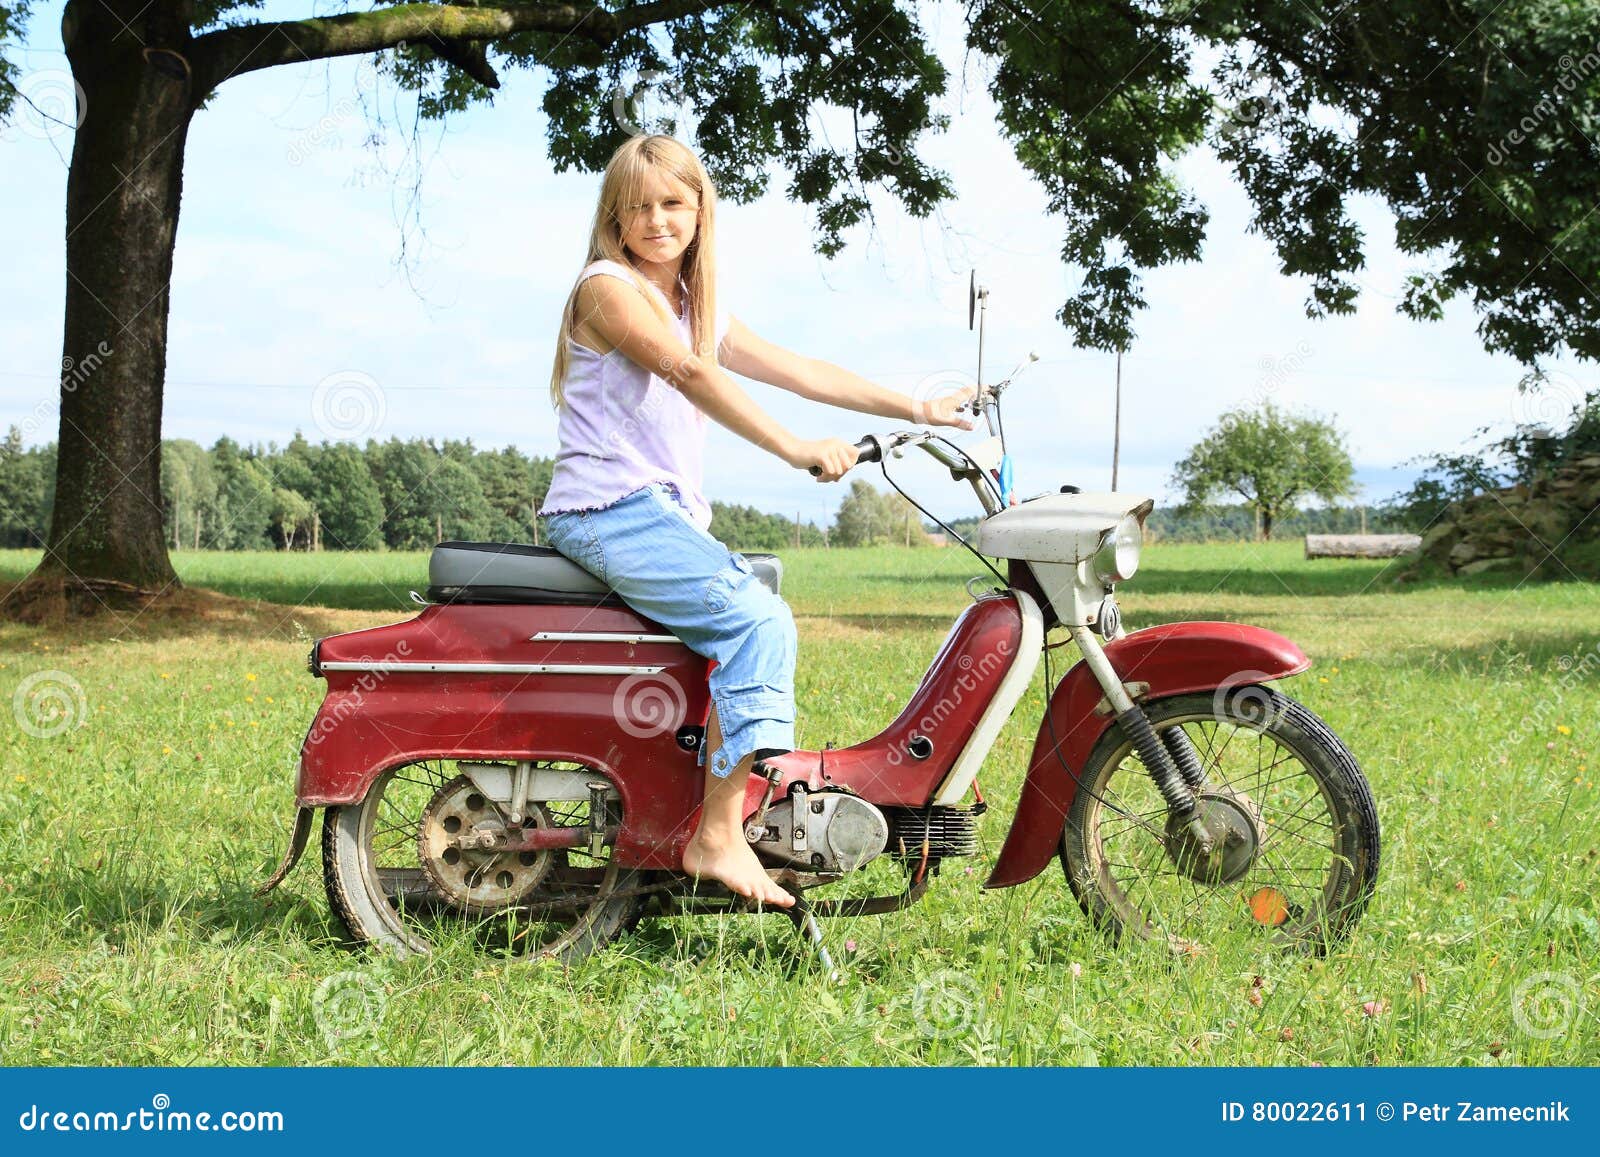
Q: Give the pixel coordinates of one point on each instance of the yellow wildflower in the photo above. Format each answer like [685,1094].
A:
[165,750]
[1563,729]
[250,678]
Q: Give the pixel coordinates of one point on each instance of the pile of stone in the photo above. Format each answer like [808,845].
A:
[1518,526]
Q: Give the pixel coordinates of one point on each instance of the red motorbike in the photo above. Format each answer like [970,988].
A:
[517,764]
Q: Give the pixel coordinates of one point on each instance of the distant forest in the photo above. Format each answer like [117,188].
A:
[409,495]
[338,496]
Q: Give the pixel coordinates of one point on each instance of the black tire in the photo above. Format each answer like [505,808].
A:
[1152,887]
[398,908]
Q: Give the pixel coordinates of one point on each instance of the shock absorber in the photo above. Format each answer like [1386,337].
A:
[1185,756]
[1170,781]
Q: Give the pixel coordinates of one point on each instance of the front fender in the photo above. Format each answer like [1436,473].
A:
[1174,659]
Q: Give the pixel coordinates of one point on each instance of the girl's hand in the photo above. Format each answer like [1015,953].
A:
[832,457]
[944,410]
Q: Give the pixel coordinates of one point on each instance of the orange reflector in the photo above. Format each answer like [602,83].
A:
[1269,906]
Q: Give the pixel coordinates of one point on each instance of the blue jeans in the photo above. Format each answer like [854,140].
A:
[665,567]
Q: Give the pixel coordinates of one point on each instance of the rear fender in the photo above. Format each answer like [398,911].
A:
[1173,659]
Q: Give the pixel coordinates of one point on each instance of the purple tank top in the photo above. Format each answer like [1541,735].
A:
[622,427]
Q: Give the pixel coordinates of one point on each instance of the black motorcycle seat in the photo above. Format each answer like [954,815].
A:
[514,572]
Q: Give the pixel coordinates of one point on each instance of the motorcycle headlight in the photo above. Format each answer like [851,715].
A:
[1118,556]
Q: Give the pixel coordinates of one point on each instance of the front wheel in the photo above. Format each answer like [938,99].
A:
[1296,849]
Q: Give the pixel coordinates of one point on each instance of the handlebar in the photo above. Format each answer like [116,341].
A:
[962,465]
[869,449]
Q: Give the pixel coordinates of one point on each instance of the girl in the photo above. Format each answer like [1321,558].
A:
[641,360]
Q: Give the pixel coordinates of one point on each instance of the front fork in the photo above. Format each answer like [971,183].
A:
[1170,758]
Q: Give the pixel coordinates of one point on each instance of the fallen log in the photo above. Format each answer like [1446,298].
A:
[1361,545]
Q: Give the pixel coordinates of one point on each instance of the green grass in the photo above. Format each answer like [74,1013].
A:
[129,848]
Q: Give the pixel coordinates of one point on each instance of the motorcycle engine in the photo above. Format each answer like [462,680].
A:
[823,831]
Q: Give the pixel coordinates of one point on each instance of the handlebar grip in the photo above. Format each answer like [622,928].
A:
[868,448]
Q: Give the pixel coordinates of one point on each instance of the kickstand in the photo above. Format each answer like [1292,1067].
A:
[805,924]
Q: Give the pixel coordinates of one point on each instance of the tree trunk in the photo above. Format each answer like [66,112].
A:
[1361,545]
[1266,525]
[123,190]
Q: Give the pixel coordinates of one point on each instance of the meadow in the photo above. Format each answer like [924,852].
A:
[130,844]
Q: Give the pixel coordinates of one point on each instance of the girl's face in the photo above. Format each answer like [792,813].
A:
[659,226]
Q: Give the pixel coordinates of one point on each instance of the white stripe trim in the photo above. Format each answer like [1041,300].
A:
[493,668]
[1013,684]
[599,637]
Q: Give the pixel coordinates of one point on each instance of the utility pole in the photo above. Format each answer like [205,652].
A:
[1116,427]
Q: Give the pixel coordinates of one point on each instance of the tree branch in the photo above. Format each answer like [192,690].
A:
[227,52]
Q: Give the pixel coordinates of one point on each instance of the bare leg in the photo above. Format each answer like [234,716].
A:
[718,848]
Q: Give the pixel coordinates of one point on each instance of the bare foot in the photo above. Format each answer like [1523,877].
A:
[736,866]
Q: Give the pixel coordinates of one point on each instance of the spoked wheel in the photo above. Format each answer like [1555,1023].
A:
[1295,833]
[412,867]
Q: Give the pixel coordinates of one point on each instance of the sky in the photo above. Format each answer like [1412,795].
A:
[291,308]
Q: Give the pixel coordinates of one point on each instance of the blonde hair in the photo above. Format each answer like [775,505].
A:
[621,186]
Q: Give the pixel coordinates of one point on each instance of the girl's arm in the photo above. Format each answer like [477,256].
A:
[753,357]
[620,314]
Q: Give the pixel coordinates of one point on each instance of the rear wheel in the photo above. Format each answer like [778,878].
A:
[1296,855]
[400,875]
